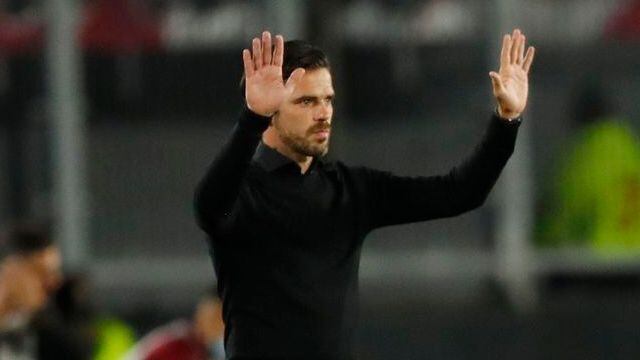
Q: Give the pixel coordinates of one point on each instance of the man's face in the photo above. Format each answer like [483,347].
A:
[208,323]
[47,264]
[303,122]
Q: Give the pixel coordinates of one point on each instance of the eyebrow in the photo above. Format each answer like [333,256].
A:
[312,97]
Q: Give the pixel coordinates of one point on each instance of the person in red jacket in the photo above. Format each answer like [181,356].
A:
[200,338]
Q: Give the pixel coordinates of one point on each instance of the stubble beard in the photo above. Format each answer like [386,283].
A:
[302,145]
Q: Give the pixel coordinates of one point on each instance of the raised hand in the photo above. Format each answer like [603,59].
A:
[265,89]
[511,82]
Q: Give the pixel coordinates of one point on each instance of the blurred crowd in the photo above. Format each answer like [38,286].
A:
[133,26]
[45,314]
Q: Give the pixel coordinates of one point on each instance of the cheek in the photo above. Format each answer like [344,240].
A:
[296,120]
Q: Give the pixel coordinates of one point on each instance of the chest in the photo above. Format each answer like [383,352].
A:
[304,213]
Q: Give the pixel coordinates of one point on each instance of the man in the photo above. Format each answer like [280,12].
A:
[21,296]
[29,274]
[595,193]
[286,227]
[200,338]
[21,293]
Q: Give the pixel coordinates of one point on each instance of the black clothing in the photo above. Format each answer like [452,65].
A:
[45,336]
[58,339]
[18,342]
[286,246]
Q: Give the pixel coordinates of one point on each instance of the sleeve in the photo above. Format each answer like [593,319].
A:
[393,200]
[218,190]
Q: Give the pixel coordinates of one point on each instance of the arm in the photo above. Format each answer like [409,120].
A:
[219,188]
[265,90]
[395,200]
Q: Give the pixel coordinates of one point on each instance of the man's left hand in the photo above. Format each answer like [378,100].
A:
[511,82]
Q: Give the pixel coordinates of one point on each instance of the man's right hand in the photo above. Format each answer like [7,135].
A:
[265,89]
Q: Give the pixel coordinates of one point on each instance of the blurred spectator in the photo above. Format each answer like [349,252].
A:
[113,338]
[21,295]
[596,191]
[199,339]
[32,245]
[30,273]
[107,337]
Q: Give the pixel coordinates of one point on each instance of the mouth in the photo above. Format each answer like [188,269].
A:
[322,134]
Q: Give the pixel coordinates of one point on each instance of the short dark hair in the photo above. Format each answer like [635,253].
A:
[25,238]
[298,54]
[301,54]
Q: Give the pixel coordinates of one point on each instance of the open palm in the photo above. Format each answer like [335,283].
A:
[265,89]
[511,82]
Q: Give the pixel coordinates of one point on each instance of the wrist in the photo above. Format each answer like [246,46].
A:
[251,122]
[507,115]
[258,111]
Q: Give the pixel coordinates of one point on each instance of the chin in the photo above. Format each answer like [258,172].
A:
[319,151]
[309,147]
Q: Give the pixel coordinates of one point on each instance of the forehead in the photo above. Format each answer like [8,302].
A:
[315,82]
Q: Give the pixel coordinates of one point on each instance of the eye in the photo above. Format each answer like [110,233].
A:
[307,102]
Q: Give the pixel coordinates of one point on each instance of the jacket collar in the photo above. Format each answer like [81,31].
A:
[270,159]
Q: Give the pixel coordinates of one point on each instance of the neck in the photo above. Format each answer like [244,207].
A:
[271,139]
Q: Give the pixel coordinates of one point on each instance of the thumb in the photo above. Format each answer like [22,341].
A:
[293,79]
[498,86]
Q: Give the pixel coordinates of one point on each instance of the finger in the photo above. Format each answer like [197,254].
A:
[248,64]
[498,86]
[278,53]
[506,49]
[257,54]
[528,59]
[266,48]
[294,78]
[521,49]
[514,46]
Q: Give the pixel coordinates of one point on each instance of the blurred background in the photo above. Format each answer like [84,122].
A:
[111,110]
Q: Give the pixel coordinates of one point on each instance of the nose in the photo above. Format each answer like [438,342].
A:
[323,112]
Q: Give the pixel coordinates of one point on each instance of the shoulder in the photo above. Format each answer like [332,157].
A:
[359,170]
[338,167]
